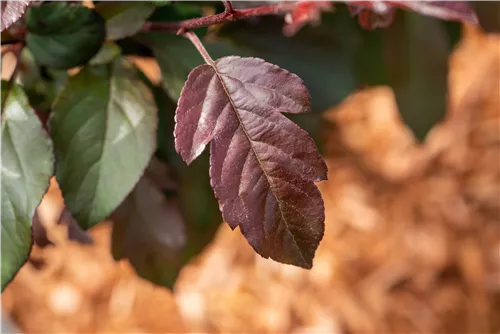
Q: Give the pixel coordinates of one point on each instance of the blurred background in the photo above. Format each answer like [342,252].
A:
[408,120]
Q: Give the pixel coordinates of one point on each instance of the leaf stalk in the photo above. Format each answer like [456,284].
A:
[229,6]
[199,46]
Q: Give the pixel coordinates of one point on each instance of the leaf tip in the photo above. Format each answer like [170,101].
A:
[189,155]
[305,263]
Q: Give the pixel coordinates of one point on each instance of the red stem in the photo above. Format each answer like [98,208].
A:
[226,16]
[199,46]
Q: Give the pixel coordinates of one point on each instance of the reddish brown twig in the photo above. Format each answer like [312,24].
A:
[226,16]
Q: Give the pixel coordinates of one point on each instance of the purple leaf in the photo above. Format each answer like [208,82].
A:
[262,165]
[11,12]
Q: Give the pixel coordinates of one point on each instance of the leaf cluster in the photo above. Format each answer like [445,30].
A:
[78,108]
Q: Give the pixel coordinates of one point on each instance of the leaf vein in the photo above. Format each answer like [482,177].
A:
[271,186]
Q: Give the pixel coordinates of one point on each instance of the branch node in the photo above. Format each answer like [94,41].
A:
[229,7]
[229,15]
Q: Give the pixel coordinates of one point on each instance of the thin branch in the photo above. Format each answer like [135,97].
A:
[226,16]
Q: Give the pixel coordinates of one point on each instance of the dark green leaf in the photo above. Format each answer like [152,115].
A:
[176,58]
[107,53]
[176,12]
[61,35]
[417,50]
[166,111]
[124,18]
[27,165]
[40,89]
[104,131]
[148,228]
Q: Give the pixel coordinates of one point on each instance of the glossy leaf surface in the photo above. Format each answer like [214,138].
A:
[27,165]
[103,129]
[107,53]
[262,165]
[124,18]
[61,35]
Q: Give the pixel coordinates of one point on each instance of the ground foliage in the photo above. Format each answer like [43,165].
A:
[101,113]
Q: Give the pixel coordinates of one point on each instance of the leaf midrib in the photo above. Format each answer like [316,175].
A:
[101,155]
[273,190]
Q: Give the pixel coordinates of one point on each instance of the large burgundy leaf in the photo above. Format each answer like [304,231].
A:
[262,165]
[11,12]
